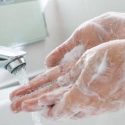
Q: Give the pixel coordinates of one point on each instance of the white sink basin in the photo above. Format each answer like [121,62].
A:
[9,118]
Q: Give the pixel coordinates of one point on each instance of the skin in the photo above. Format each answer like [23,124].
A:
[103,93]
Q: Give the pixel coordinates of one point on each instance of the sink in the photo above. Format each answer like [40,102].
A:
[7,117]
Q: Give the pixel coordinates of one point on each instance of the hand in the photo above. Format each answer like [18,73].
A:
[100,86]
[88,35]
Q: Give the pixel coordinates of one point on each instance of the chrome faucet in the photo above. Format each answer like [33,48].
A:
[12,59]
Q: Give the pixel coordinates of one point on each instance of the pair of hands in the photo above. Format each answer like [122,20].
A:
[88,80]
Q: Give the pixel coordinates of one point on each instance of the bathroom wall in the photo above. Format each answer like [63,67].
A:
[21,23]
[74,12]
[62,17]
[37,52]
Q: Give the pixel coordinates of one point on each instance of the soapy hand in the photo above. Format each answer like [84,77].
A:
[81,83]
[100,86]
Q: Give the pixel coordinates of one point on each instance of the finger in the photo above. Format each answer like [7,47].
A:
[57,54]
[49,76]
[16,103]
[44,100]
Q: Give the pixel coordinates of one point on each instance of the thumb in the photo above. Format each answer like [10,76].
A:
[58,53]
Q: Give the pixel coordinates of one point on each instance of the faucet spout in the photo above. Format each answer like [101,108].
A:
[12,59]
